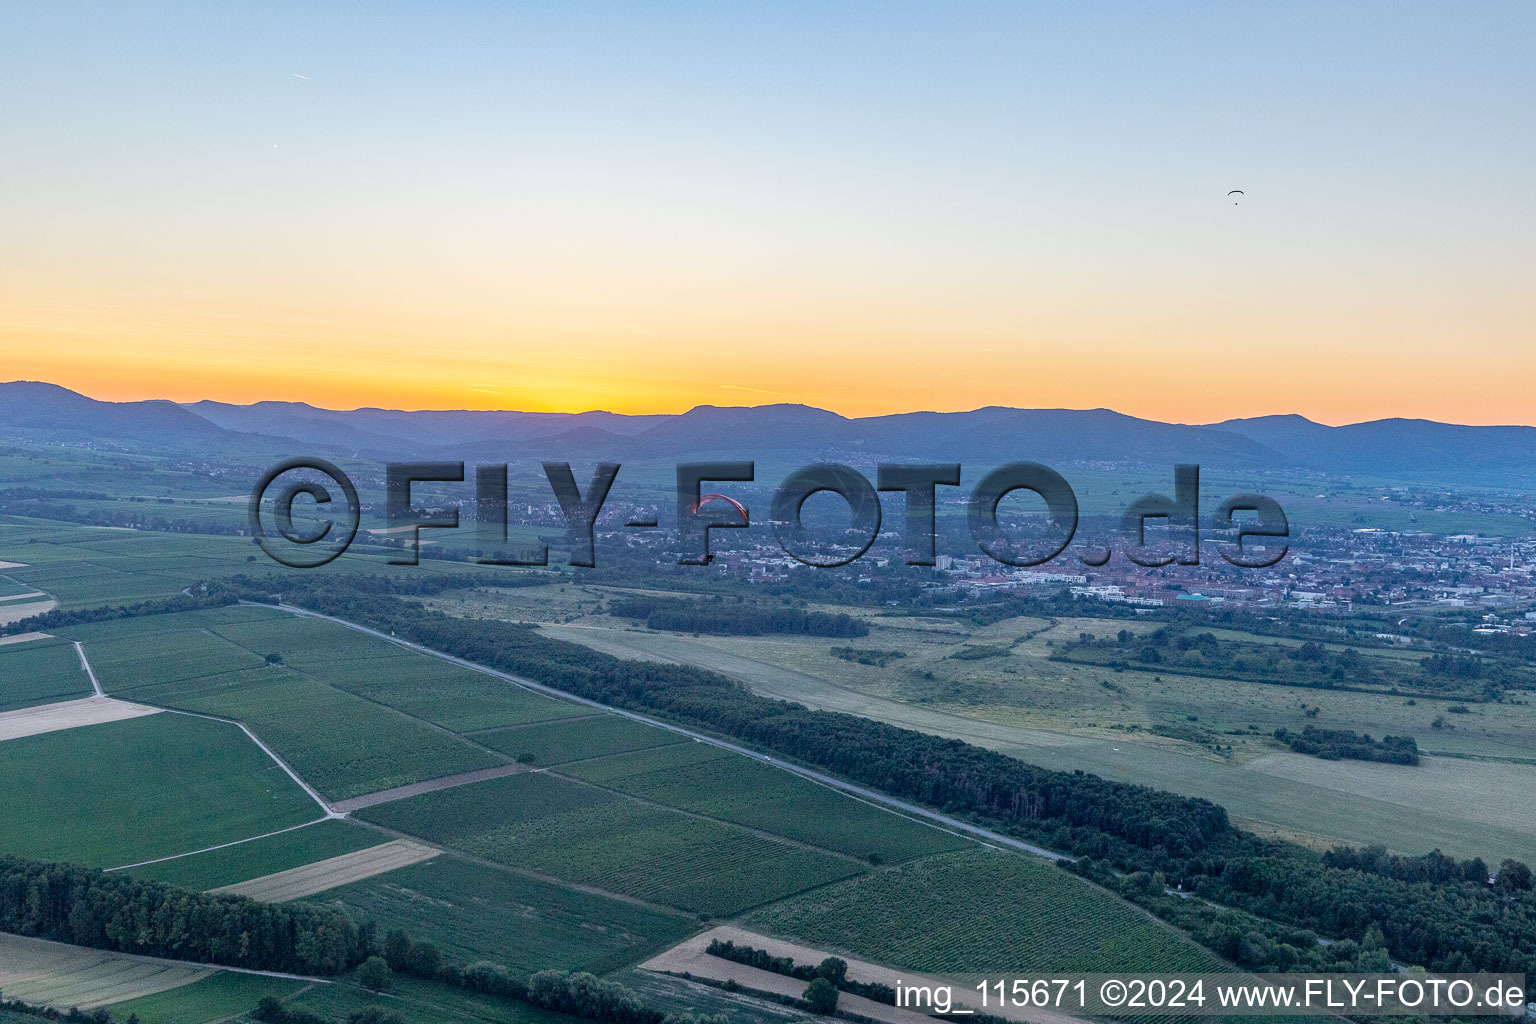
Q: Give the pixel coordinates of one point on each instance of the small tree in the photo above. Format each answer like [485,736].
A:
[821,996]
[374,974]
[425,960]
[397,949]
[1514,876]
[834,969]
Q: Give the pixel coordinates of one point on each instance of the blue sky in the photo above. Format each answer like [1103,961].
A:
[687,197]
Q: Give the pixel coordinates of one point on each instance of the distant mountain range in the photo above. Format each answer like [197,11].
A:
[1420,450]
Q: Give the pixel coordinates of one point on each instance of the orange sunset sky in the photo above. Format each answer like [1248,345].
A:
[869,207]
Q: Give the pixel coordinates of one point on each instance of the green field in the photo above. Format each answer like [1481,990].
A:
[581,834]
[214,998]
[422,1002]
[473,912]
[265,856]
[342,744]
[40,672]
[604,770]
[984,911]
[132,661]
[434,690]
[576,739]
[747,792]
[134,790]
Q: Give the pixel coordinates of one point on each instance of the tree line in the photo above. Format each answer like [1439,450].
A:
[119,912]
[833,969]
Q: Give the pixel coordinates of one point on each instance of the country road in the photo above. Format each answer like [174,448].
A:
[870,796]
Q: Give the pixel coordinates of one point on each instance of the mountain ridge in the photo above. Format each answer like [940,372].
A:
[1397,447]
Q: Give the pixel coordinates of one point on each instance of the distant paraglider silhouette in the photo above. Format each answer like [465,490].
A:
[1235,192]
[705,499]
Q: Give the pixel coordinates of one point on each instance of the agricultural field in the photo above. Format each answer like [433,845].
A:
[577,739]
[139,789]
[983,910]
[40,672]
[474,912]
[214,998]
[11,590]
[53,974]
[433,690]
[747,792]
[422,1002]
[142,660]
[582,834]
[342,745]
[332,873]
[604,770]
[260,857]
[455,698]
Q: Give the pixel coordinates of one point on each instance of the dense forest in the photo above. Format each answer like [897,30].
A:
[735,618]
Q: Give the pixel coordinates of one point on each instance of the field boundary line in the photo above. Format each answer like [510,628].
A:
[314,795]
[306,787]
[221,846]
[881,799]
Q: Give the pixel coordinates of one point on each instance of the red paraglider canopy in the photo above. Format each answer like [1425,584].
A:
[705,499]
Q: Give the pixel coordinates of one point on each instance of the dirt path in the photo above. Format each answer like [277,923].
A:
[85,666]
[386,796]
[221,846]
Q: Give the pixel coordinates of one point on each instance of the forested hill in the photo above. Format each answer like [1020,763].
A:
[1407,449]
